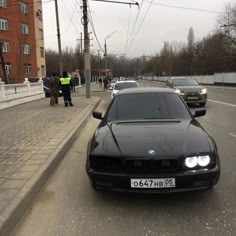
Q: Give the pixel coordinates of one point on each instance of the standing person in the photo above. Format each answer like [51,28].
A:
[100,82]
[54,89]
[105,82]
[66,83]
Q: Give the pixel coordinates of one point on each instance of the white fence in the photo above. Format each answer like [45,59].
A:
[15,94]
[217,78]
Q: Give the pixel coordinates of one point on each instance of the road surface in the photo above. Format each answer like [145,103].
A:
[67,205]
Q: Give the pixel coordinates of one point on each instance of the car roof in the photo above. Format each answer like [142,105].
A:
[146,90]
[173,78]
[126,81]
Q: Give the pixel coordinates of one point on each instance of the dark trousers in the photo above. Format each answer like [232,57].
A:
[66,94]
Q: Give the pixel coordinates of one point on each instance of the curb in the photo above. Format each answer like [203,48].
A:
[24,198]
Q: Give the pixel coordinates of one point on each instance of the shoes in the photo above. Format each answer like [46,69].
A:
[71,104]
[66,104]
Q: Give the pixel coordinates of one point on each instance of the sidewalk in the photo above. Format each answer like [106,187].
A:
[33,139]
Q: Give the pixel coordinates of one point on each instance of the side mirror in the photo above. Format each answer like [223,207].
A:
[199,112]
[97,115]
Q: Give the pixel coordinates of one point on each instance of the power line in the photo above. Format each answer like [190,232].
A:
[75,26]
[140,25]
[136,20]
[127,38]
[184,8]
[70,21]
[93,28]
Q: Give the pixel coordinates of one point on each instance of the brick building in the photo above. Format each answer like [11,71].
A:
[21,37]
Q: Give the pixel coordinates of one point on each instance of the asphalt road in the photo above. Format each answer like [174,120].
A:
[67,205]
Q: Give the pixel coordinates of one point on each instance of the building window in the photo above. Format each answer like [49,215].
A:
[39,15]
[41,33]
[3,24]
[3,3]
[42,52]
[5,46]
[24,28]
[27,68]
[8,68]
[43,72]
[26,49]
[24,7]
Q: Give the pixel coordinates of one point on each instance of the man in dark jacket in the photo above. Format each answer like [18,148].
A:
[54,89]
[65,84]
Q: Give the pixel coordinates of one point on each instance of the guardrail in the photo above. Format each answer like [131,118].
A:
[15,94]
[217,78]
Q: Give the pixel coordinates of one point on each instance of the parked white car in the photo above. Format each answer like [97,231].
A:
[112,83]
[119,85]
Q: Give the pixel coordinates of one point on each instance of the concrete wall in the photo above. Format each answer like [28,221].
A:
[217,78]
[15,94]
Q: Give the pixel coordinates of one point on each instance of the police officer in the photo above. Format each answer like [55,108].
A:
[66,83]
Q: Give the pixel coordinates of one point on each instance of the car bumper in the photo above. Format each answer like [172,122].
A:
[185,181]
[199,99]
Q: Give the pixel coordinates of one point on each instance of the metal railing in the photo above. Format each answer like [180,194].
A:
[17,91]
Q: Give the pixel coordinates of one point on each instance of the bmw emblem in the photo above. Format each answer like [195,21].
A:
[151,152]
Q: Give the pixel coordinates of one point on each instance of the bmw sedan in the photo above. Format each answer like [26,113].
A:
[149,141]
[189,89]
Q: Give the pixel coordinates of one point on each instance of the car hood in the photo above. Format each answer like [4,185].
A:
[189,88]
[166,139]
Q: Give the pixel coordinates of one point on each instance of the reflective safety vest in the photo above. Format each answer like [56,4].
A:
[65,81]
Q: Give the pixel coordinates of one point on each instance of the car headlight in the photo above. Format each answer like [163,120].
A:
[191,162]
[204,91]
[203,160]
[179,91]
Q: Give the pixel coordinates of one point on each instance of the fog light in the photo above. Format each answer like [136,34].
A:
[203,160]
[191,162]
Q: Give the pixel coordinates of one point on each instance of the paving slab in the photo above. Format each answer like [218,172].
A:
[33,140]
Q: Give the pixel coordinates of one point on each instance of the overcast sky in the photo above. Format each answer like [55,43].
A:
[146,37]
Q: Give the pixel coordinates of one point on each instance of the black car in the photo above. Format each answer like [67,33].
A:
[149,141]
[189,89]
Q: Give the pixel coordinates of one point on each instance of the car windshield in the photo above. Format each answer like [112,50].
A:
[120,86]
[113,81]
[143,106]
[185,82]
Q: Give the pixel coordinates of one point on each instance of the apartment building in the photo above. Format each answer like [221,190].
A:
[21,37]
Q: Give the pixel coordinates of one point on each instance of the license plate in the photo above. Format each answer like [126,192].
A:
[192,98]
[153,183]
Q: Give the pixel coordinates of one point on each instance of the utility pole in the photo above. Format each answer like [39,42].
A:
[3,64]
[87,63]
[81,42]
[99,65]
[59,39]
[105,54]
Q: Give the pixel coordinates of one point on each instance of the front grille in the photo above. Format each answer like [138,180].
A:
[116,165]
[106,164]
[192,96]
